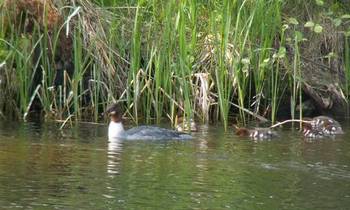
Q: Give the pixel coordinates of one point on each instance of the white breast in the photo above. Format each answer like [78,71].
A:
[115,130]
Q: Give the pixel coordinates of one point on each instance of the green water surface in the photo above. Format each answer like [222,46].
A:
[44,168]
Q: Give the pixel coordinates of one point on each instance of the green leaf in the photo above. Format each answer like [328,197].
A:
[299,36]
[293,21]
[319,2]
[346,16]
[329,13]
[318,28]
[309,24]
[285,27]
[281,52]
[337,22]
[331,55]
[347,33]
[266,60]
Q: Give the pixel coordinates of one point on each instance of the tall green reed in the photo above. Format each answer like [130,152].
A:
[264,28]
[222,74]
[135,62]
[296,85]
[184,63]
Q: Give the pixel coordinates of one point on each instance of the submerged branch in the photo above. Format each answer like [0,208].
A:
[291,120]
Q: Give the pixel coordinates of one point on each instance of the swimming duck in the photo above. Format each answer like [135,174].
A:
[184,125]
[321,126]
[116,129]
[257,133]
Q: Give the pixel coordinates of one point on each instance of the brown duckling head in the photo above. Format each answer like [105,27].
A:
[242,132]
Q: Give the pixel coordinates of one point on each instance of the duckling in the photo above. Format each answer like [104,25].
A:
[322,126]
[310,132]
[328,125]
[257,133]
[184,125]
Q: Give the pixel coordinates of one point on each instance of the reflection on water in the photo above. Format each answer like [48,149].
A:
[44,168]
[114,152]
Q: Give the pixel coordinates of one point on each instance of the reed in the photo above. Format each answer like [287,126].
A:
[266,67]
[296,77]
[159,59]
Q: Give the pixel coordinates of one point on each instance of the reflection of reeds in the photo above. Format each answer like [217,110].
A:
[160,59]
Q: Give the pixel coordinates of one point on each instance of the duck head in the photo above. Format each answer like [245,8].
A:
[114,112]
[115,128]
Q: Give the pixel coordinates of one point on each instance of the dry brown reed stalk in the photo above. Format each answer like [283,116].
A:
[202,97]
[95,36]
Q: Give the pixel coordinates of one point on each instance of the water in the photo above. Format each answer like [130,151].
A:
[44,168]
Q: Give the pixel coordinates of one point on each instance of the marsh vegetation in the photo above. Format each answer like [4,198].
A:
[212,61]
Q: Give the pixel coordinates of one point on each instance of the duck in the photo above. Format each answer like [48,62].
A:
[116,129]
[257,133]
[183,125]
[321,126]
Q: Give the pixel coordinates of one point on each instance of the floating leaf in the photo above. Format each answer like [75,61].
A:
[318,28]
[309,24]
